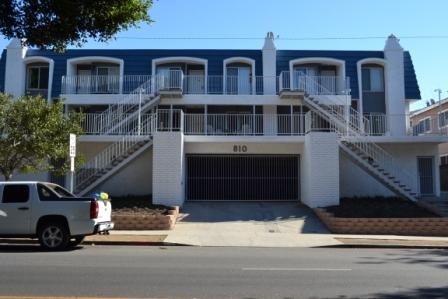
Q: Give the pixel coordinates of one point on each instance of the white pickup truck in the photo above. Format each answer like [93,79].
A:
[50,213]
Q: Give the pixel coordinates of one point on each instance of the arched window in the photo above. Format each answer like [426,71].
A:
[39,76]
[239,75]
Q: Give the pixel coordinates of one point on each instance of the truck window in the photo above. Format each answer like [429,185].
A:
[16,193]
[45,193]
[59,190]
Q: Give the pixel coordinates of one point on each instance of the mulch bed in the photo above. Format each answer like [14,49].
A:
[137,205]
[379,207]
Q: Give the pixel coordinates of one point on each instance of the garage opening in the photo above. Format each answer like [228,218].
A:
[242,177]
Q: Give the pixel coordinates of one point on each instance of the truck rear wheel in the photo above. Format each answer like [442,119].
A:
[53,236]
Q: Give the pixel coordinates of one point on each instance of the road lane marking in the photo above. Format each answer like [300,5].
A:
[296,269]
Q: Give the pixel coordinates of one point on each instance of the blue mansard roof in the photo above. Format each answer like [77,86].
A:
[351,58]
[139,62]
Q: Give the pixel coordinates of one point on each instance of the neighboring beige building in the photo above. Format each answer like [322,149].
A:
[433,119]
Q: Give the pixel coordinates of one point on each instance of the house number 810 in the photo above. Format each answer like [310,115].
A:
[240,148]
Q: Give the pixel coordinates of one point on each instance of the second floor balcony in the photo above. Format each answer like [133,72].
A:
[246,124]
[176,83]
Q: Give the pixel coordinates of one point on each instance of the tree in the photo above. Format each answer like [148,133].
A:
[32,134]
[58,23]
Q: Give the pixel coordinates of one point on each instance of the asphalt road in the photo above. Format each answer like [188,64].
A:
[195,272]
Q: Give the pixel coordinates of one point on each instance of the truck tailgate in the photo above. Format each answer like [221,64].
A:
[105,210]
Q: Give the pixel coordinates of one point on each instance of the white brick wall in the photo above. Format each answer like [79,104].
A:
[168,168]
[356,182]
[320,170]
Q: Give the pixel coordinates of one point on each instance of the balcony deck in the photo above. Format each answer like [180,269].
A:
[177,84]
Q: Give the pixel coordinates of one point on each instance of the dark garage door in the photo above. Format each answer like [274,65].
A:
[242,177]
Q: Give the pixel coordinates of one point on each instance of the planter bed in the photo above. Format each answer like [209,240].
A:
[137,213]
[382,216]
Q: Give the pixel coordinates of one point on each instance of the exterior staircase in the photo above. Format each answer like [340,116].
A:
[436,205]
[99,169]
[137,136]
[350,128]
[140,100]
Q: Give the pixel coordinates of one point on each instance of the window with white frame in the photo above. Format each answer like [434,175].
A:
[443,119]
[423,126]
[37,77]
[372,79]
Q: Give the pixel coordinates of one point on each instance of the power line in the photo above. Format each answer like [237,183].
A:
[280,38]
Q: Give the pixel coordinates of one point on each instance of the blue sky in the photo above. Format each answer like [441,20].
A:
[302,19]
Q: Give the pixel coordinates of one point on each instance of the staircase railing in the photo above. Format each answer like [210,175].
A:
[110,119]
[111,154]
[318,121]
[355,122]
[353,127]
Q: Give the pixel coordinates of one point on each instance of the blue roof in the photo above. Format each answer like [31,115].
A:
[351,59]
[412,90]
[140,62]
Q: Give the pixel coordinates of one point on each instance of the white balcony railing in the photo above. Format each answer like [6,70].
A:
[201,84]
[428,125]
[200,124]
[375,124]
[93,124]
[314,85]
[380,124]
[230,85]
[102,84]
[244,124]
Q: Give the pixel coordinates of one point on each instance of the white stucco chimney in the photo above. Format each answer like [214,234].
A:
[394,86]
[15,68]
[269,64]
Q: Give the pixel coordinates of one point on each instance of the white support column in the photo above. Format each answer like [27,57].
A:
[269,65]
[320,179]
[394,86]
[168,169]
[270,120]
[15,73]
[205,120]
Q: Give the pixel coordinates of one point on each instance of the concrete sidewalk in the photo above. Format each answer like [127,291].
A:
[254,224]
[304,240]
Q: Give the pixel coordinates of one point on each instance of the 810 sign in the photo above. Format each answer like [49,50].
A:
[239,148]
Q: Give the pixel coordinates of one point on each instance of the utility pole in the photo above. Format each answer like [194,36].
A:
[439,93]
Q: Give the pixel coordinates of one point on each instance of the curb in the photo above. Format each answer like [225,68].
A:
[5,242]
[385,246]
[131,243]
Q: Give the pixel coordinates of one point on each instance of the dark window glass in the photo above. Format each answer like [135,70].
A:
[37,77]
[33,78]
[372,79]
[15,193]
[284,109]
[365,79]
[43,82]
[45,193]
[60,191]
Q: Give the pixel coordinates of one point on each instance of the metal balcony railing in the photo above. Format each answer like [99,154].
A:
[314,85]
[107,84]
